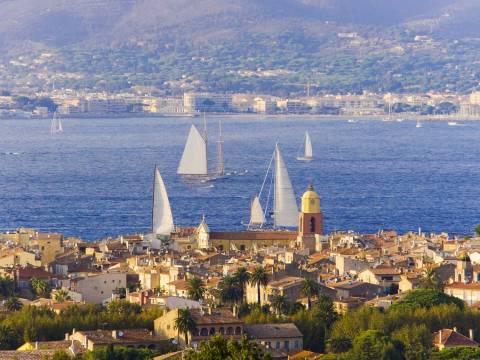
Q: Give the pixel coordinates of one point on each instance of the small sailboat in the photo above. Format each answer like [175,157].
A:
[162,218]
[56,126]
[308,151]
[285,210]
[352,121]
[194,158]
[419,124]
[389,118]
[194,162]
[257,216]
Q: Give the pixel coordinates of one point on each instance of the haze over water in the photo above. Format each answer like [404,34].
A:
[95,180]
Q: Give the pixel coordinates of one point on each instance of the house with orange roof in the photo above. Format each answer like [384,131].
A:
[451,338]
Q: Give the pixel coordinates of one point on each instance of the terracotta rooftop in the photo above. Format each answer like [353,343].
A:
[26,355]
[265,331]
[218,316]
[304,355]
[128,336]
[254,235]
[285,282]
[385,271]
[460,285]
[450,338]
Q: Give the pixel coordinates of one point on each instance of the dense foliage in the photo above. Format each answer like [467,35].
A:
[36,323]
[426,298]
[219,348]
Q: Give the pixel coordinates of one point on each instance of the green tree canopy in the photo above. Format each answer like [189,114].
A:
[219,348]
[374,345]
[195,288]
[426,298]
[258,278]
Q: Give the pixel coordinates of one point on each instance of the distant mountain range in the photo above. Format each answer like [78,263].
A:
[223,31]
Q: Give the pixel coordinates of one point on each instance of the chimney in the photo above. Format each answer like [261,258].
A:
[209,310]
[36,345]
[114,334]
[66,336]
[73,331]
[470,334]
[455,329]
[439,337]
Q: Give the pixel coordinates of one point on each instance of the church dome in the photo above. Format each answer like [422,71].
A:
[310,201]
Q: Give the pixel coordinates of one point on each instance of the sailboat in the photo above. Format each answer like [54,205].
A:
[419,124]
[285,210]
[194,161]
[56,126]
[308,152]
[257,216]
[162,219]
[389,118]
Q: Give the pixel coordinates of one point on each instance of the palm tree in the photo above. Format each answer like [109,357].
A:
[309,289]
[184,323]
[195,288]
[13,304]
[230,291]
[242,276]
[61,296]
[431,280]
[258,278]
[40,287]
[279,304]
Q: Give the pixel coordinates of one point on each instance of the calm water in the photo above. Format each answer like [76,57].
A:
[95,180]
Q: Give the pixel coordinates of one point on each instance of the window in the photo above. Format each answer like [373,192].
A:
[286,345]
[212,331]
[238,330]
[204,332]
[242,247]
[296,344]
[277,346]
[312,224]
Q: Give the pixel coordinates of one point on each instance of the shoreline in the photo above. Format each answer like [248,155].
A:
[399,118]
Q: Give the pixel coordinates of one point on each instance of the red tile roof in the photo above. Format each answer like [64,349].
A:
[451,338]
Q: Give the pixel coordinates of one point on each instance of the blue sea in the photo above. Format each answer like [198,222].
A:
[95,180]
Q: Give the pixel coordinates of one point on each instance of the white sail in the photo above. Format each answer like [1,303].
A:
[162,219]
[285,207]
[56,125]
[257,217]
[308,145]
[194,158]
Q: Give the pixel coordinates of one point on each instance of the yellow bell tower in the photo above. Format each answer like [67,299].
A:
[310,220]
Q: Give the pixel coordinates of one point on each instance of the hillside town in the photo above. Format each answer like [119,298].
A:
[215,282]
[69,103]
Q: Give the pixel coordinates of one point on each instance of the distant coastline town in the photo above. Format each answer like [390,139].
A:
[69,103]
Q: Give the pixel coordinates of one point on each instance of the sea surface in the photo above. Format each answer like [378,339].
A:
[95,179]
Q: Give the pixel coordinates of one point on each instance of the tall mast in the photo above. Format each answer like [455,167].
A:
[205,132]
[220,159]
[153,198]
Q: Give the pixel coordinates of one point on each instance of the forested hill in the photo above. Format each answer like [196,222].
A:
[221,45]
